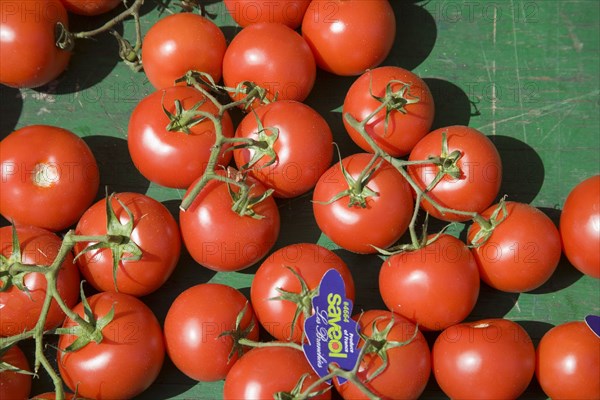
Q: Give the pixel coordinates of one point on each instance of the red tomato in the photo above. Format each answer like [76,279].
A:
[221,239]
[287,12]
[30,57]
[302,151]
[181,42]
[408,367]
[522,252]
[262,372]
[14,385]
[21,310]
[155,232]
[127,360]
[90,7]
[568,362]
[488,359]
[193,326]
[398,127]
[380,223]
[311,262]
[274,57]
[49,177]
[580,226]
[436,286]
[52,396]
[349,37]
[174,158]
[479,171]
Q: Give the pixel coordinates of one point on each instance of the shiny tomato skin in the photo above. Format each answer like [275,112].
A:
[155,232]
[304,147]
[349,37]
[30,57]
[580,226]
[222,240]
[523,251]
[49,177]
[480,166]
[173,159]
[52,396]
[436,286]
[568,362]
[21,310]
[128,359]
[90,7]
[262,372]
[311,262]
[403,129]
[13,385]
[181,42]
[193,324]
[274,57]
[287,12]
[487,359]
[408,368]
[384,219]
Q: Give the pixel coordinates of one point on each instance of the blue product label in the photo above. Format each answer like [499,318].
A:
[593,321]
[331,333]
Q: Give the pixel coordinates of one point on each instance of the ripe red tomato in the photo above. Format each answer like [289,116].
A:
[288,12]
[193,326]
[303,149]
[174,158]
[52,396]
[21,310]
[274,57]
[380,223]
[436,286]
[311,262]
[181,42]
[30,57]
[479,171]
[487,359]
[90,7]
[398,127]
[349,37]
[14,385]
[262,372]
[220,239]
[568,362]
[580,226]
[49,177]
[408,367]
[127,360]
[155,232]
[522,252]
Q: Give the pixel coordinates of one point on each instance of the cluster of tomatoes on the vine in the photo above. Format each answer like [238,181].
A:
[182,136]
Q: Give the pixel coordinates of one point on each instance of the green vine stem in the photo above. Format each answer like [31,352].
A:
[360,126]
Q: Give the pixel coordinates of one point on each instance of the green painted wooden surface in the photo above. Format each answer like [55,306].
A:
[524,72]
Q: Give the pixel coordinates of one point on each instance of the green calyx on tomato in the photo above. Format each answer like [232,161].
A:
[486,227]
[243,203]
[446,162]
[90,331]
[378,343]
[237,333]
[182,120]
[395,100]
[9,277]
[260,147]
[117,239]
[7,367]
[358,192]
[297,393]
[303,300]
